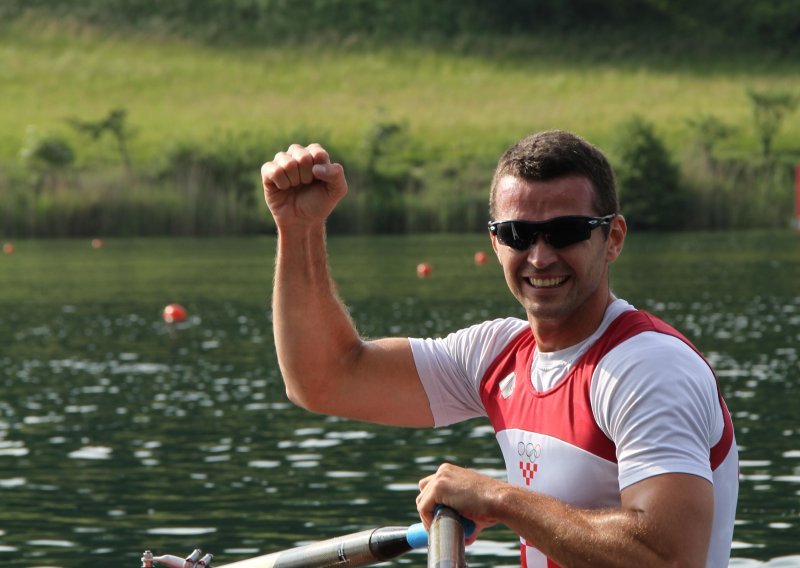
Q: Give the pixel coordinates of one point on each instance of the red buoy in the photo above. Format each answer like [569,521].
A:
[423,270]
[174,313]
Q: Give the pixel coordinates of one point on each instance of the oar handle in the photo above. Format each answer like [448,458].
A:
[446,539]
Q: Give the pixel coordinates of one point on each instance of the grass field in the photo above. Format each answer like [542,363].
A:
[201,119]
[452,103]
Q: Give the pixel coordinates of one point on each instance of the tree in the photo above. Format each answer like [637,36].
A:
[770,109]
[113,123]
[648,180]
[386,176]
[707,131]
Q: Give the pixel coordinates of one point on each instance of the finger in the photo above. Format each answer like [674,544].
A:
[305,161]
[424,482]
[425,516]
[468,540]
[426,502]
[319,153]
[290,167]
[274,177]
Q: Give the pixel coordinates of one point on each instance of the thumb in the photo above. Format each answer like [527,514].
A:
[332,175]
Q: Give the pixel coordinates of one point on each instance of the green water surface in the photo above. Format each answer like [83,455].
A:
[120,433]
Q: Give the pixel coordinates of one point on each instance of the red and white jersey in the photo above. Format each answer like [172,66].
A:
[632,401]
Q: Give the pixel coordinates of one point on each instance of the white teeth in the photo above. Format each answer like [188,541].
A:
[546,282]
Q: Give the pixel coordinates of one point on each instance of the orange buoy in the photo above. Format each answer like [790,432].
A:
[423,270]
[174,313]
[480,258]
[8,248]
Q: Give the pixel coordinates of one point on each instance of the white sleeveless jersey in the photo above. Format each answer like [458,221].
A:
[632,401]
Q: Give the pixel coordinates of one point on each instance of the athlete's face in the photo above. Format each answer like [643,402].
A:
[561,286]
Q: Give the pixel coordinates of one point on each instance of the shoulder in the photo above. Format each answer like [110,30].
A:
[656,353]
[653,364]
[471,349]
[476,342]
[450,367]
[499,330]
[655,397]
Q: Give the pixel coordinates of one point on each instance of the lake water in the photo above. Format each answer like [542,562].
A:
[120,433]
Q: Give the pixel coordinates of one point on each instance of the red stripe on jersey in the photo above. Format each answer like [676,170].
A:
[564,412]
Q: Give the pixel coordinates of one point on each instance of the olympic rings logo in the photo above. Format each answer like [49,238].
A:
[529,451]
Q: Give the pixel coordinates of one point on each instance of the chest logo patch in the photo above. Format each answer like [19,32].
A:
[507,385]
[528,454]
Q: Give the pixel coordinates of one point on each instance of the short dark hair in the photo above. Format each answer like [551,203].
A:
[554,154]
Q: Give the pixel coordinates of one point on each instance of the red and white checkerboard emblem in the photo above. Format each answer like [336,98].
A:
[528,454]
[528,470]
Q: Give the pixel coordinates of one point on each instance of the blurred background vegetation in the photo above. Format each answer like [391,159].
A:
[142,117]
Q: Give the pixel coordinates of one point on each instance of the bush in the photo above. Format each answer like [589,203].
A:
[48,158]
[648,180]
[228,166]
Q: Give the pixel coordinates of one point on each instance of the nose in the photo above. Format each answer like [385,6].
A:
[541,254]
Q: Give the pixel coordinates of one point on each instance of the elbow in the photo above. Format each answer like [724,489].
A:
[320,384]
[300,398]
[308,398]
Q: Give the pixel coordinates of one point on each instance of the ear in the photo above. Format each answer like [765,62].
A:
[616,238]
[495,245]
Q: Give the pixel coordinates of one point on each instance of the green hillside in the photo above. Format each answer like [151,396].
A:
[423,120]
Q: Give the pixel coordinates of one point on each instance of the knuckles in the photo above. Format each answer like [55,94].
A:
[294,167]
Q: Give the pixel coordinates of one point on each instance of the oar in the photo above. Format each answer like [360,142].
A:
[358,549]
[446,546]
[363,548]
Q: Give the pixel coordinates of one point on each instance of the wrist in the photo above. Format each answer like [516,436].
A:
[504,498]
[300,230]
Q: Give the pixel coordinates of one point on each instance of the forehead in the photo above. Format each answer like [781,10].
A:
[518,198]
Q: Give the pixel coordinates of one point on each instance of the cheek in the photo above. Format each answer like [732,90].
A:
[509,264]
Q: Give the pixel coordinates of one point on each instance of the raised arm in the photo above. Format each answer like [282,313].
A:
[326,366]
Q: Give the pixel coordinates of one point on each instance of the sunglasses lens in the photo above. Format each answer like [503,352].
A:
[563,232]
[515,235]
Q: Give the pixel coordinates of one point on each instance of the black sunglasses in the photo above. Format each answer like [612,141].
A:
[559,232]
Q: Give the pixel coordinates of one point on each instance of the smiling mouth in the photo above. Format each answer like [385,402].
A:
[547,282]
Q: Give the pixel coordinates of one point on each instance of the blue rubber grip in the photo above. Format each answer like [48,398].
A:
[417,536]
[469,526]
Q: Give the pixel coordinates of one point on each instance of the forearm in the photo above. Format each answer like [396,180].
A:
[664,520]
[314,334]
[579,537]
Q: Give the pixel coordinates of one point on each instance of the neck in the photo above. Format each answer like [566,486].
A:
[554,334]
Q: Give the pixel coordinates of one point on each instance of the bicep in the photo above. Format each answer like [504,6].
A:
[676,512]
[383,386]
[435,383]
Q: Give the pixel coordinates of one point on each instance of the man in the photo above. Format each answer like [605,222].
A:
[618,446]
